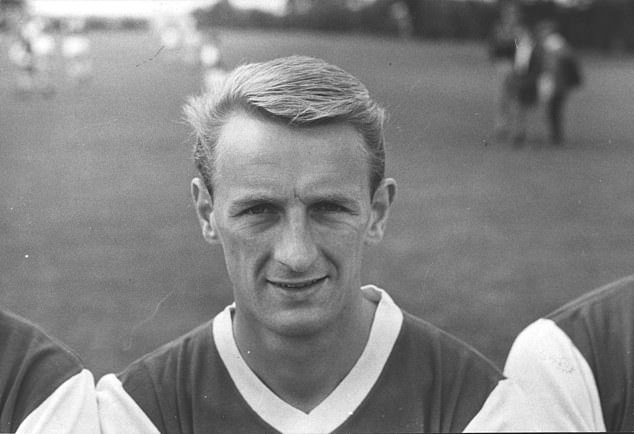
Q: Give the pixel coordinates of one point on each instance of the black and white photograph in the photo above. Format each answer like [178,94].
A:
[316,216]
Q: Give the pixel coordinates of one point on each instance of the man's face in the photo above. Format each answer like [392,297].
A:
[292,209]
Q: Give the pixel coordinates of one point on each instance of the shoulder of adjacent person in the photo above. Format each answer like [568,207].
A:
[600,326]
[614,298]
[34,368]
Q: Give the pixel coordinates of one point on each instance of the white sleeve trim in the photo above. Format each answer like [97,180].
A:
[118,412]
[555,375]
[507,409]
[70,409]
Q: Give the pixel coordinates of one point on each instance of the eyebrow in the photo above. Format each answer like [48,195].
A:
[337,198]
[250,200]
[260,198]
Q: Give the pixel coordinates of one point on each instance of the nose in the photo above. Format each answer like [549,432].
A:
[296,247]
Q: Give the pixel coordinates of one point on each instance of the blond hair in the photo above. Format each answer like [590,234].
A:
[298,91]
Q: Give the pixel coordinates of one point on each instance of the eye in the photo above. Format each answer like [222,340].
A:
[259,210]
[328,207]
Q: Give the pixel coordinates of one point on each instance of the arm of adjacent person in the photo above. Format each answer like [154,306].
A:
[554,374]
[507,409]
[118,412]
[70,409]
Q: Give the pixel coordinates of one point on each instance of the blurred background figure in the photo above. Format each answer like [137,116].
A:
[559,74]
[214,69]
[33,53]
[192,39]
[402,16]
[179,34]
[21,56]
[510,48]
[521,85]
[76,50]
[168,32]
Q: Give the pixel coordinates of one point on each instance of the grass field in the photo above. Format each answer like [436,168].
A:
[100,244]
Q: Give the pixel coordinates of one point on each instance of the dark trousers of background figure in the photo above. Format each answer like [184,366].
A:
[554,117]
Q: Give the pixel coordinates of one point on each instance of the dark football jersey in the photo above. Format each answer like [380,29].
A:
[411,377]
[43,386]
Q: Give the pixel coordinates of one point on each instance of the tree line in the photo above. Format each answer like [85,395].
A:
[606,25]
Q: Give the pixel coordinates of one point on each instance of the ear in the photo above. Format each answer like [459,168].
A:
[381,202]
[204,210]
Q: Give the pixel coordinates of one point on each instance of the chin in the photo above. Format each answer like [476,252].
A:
[300,323]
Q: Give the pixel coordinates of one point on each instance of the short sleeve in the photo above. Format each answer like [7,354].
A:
[118,412]
[545,363]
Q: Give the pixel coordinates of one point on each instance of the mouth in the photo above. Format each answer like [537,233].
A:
[296,285]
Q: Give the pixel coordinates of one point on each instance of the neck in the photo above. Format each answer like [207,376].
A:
[304,370]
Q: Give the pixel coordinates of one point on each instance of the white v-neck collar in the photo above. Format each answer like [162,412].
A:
[347,396]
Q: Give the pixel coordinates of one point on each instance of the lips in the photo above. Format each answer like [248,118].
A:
[297,284]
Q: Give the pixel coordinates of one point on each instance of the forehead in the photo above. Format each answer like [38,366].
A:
[253,151]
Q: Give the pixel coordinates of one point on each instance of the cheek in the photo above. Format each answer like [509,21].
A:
[346,232]
[345,243]
[243,252]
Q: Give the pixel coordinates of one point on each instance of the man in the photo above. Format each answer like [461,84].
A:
[502,47]
[292,186]
[578,362]
[43,386]
[76,50]
[511,48]
[33,53]
[560,74]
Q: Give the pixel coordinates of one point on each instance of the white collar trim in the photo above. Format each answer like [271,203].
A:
[342,401]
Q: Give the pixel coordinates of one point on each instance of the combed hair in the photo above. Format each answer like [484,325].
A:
[297,91]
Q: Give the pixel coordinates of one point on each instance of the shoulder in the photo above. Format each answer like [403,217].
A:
[616,298]
[140,398]
[432,348]
[32,356]
[451,378]
[21,335]
[34,366]
[545,362]
[601,324]
[579,360]
[466,389]
[444,381]
[442,346]
[179,357]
